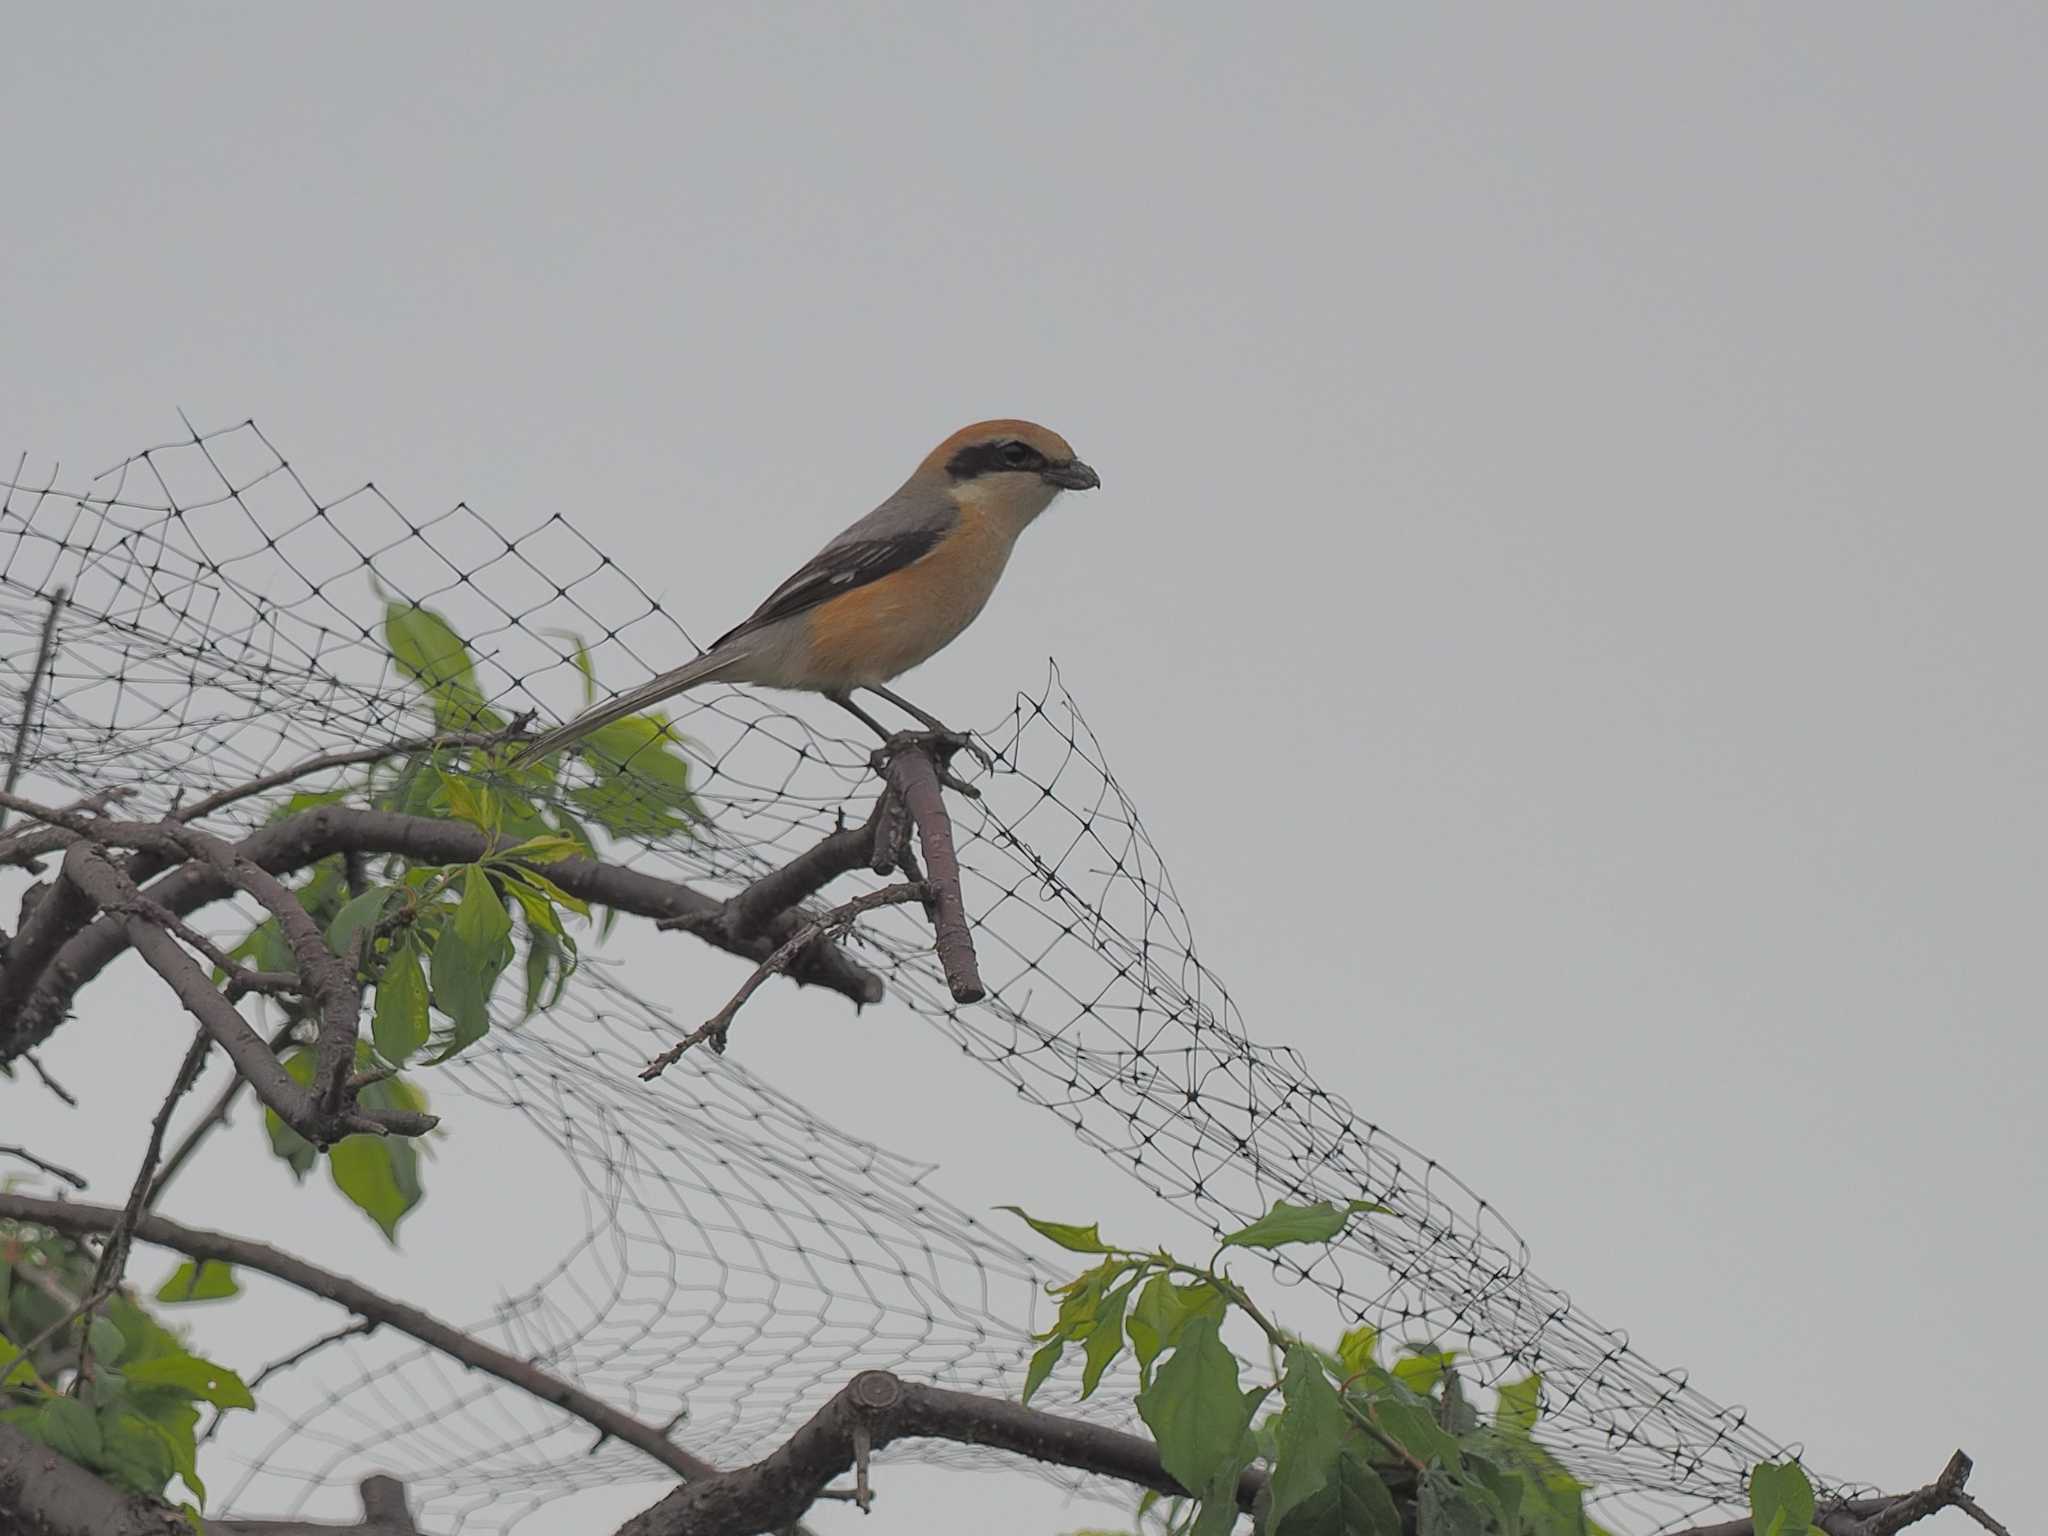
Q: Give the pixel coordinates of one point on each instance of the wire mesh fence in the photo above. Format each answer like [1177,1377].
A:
[738,1258]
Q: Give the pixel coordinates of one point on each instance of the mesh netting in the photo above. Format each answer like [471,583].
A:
[739,1258]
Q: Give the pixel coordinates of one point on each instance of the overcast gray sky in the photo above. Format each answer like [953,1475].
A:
[1572,476]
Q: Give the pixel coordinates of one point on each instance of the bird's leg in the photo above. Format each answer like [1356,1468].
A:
[845,701]
[939,729]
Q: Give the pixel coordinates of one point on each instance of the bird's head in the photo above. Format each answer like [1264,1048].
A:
[1015,467]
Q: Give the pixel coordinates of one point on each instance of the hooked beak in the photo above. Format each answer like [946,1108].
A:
[1072,475]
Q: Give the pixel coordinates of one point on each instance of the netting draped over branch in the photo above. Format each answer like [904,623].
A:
[739,1258]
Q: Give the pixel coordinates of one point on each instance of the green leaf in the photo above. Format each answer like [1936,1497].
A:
[1442,1508]
[1780,1499]
[1415,1426]
[1285,1223]
[363,1171]
[399,1025]
[69,1428]
[107,1343]
[298,1153]
[1070,1237]
[1193,1407]
[433,655]
[176,1422]
[1353,1502]
[1421,1371]
[136,1454]
[643,783]
[1309,1435]
[543,848]
[210,1280]
[1357,1349]
[359,913]
[1105,1339]
[1504,1486]
[1520,1404]
[1154,1324]
[203,1379]
[1043,1359]
[468,957]
[14,1370]
[470,801]
[142,1336]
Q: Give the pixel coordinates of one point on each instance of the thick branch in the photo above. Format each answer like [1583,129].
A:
[297,1105]
[845,850]
[51,1495]
[911,772]
[384,1514]
[80,1220]
[44,1492]
[67,949]
[777,1490]
[329,980]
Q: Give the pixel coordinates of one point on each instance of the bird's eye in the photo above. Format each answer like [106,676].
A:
[1018,453]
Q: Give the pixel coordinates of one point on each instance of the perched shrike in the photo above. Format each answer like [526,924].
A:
[893,590]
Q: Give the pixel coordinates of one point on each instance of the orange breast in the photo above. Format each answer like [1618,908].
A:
[879,631]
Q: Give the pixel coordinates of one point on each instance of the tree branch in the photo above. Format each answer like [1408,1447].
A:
[51,1495]
[215,1116]
[61,948]
[772,1492]
[384,1514]
[296,1104]
[350,759]
[912,772]
[714,1030]
[75,1180]
[840,852]
[44,1492]
[32,695]
[1880,1515]
[80,1220]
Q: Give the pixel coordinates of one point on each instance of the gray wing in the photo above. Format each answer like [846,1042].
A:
[844,564]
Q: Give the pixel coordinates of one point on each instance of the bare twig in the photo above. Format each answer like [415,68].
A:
[80,1219]
[32,695]
[106,1276]
[1975,1511]
[76,1181]
[356,1329]
[351,759]
[36,1066]
[216,1115]
[714,1030]
[113,1263]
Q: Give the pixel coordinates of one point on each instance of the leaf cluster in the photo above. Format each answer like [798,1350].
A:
[431,944]
[1335,1430]
[133,1415]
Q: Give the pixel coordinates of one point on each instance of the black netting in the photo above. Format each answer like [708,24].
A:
[739,1258]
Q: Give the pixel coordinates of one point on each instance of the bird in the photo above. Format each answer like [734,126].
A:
[889,592]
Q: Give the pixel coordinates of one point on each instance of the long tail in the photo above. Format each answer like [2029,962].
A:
[704,669]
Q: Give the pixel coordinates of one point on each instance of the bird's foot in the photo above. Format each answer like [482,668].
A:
[942,744]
